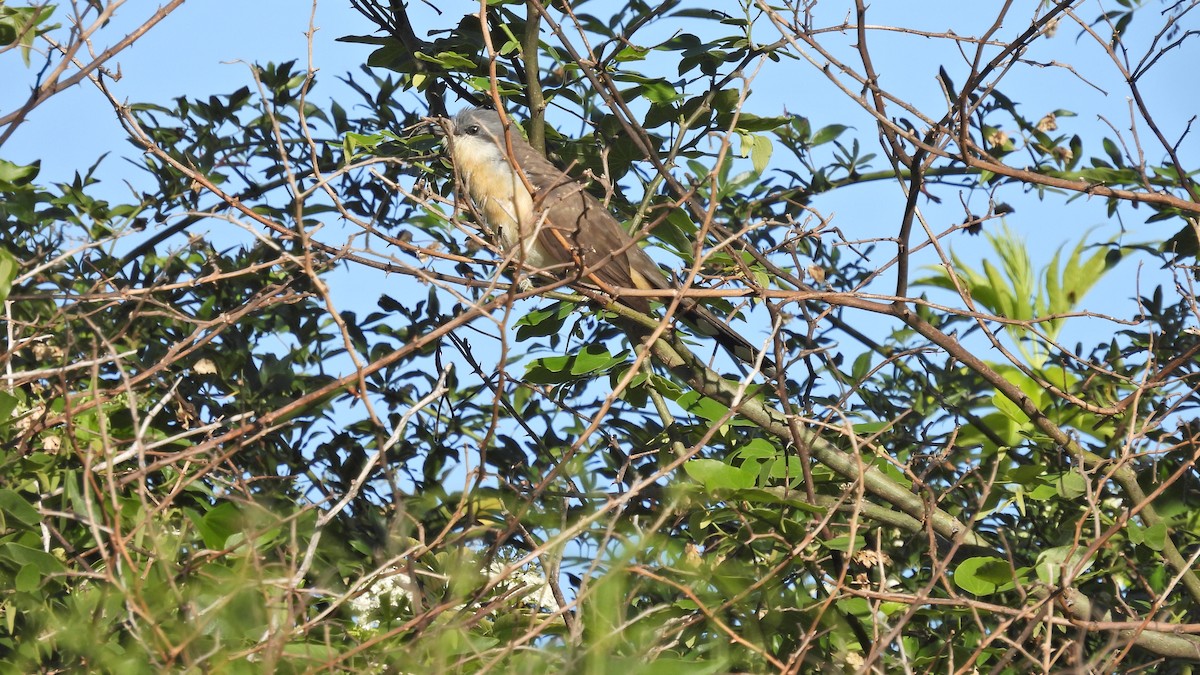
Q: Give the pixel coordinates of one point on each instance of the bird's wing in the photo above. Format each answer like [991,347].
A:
[575,230]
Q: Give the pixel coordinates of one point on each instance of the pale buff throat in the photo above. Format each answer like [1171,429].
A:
[501,198]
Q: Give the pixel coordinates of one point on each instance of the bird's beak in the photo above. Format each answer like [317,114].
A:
[438,126]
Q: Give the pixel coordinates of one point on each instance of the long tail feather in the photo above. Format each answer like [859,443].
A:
[706,323]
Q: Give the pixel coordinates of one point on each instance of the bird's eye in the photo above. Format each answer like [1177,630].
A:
[472,130]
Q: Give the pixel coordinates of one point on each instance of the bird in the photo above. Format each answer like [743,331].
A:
[560,228]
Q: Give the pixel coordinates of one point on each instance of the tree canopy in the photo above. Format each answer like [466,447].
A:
[282,404]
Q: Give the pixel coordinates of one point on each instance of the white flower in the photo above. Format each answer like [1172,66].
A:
[534,590]
[396,587]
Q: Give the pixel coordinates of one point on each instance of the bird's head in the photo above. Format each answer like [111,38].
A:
[477,134]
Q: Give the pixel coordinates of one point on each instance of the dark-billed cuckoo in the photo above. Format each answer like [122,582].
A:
[561,228]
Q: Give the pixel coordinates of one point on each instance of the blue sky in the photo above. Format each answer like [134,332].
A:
[202,48]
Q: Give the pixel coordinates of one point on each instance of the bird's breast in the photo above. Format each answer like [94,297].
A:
[500,196]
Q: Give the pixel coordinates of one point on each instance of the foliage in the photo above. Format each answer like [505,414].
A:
[281,410]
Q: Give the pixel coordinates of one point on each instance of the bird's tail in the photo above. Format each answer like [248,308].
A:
[710,325]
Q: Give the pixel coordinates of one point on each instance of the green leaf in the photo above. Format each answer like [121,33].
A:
[760,154]
[22,25]
[758,448]
[1010,409]
[1155,536]
[1052,562]
[1071,485]
[653,89]
[1042,492]
[717,475]
[706,408]
[8,404]
[844,543]
[631,53]
[18,174]
[219,524]
[1005,304]
[448,60]
[312,651]
[983,576]
[827,134]
[675,666]
[15,505]
[862,364]
[29,578]
[766,496]
[8,272]
[758,149]
[593,359]
[1114,153]
[751,123]
[25,555]
[868,428]
[543,322]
